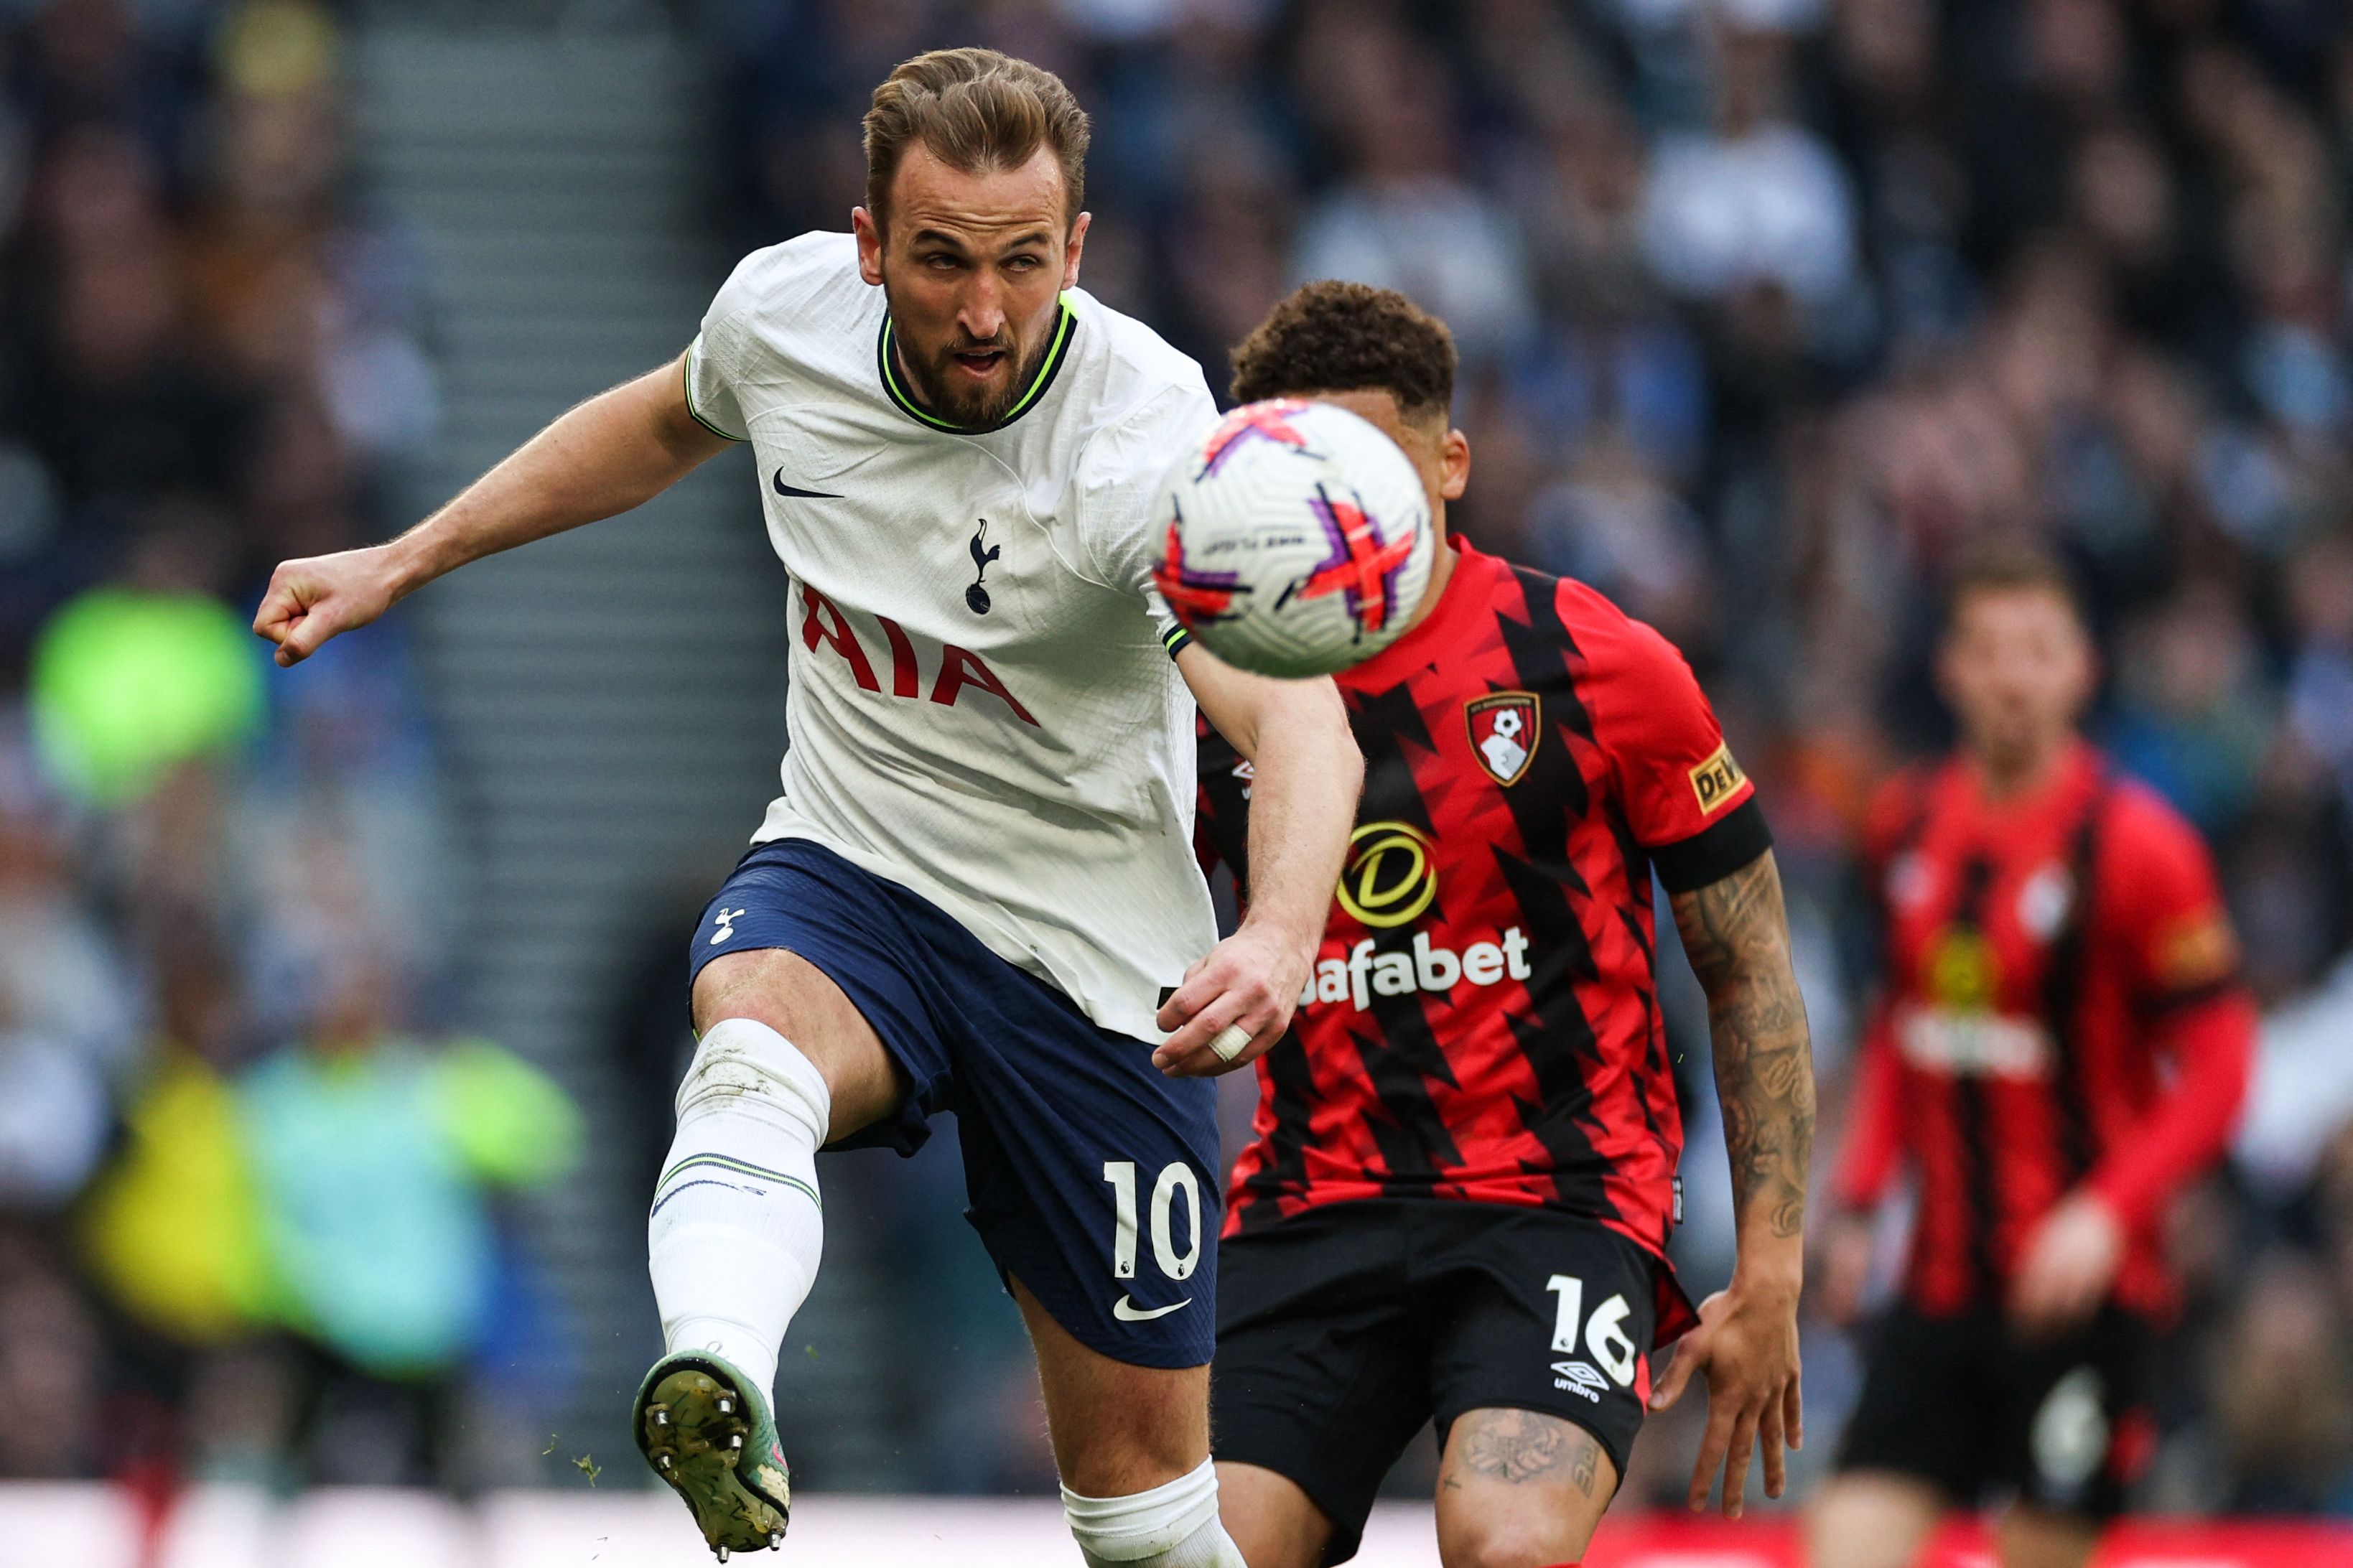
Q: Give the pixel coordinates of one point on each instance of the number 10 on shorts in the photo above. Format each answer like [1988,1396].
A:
[1174,1179]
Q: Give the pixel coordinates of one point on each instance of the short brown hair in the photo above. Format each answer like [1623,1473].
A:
[1349,337]
[2011,566]
[979,112]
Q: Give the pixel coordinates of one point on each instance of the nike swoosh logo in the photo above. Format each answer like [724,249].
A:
[782,489]
[1127,1311]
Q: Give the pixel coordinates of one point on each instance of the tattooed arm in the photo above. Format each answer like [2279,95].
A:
[1738,939]
[1737,936]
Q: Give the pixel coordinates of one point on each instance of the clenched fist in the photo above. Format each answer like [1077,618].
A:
[310,601]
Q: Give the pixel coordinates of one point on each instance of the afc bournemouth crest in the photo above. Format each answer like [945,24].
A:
[1504,735]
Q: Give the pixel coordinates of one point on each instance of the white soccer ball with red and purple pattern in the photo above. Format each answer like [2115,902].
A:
[1298,539]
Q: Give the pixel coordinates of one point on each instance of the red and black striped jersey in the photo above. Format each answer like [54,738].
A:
[1484,1024]
[2059,1014]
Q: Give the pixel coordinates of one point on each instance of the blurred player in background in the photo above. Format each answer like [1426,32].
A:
[2061,1045]
[1458,1201]
[978,885]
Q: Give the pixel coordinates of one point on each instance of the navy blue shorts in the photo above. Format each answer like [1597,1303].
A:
[1092,1178]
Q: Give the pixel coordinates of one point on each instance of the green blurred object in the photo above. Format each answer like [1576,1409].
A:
[512,1126]
[374,1165]
[127,684]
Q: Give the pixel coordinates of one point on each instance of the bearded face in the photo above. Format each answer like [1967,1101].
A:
[974,264]
[974,382]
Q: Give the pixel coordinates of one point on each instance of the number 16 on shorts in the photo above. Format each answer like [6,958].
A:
[1174,1180]
[1605,1338]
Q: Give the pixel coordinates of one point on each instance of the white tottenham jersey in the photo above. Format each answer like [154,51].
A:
[984,706]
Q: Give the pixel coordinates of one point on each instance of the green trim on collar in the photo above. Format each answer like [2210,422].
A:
[1066,328]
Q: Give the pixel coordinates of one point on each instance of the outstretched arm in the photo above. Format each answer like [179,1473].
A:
[1308,773]
[616,450]
[1738,935]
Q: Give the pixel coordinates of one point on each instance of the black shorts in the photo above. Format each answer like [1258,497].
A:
[1963,1402]
[1341,1329]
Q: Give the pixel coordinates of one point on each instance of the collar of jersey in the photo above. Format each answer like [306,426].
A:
[1066,327]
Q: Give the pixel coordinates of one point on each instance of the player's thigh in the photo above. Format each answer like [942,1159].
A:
[1322,1373]
[1871,1519]
[1092,1178]
[843,964]
[1539,1372]
[1519,1488]
[1270,1517]
[793,996]
[1116,1427]
[2033,1537]
[1544,1313]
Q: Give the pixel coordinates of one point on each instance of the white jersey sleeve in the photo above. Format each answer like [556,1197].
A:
[713,358]
[732,366]
[1121,474]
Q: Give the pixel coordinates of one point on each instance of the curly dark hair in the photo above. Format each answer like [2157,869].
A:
[1348,337]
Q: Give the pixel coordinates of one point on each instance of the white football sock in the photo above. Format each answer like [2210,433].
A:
[1171,1526]
[737,1225]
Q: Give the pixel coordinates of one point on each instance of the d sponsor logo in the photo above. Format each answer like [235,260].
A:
[1960,970]
[1391,876]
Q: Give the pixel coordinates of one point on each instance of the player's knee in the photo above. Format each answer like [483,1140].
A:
[1170,1526]
[744,1062]
[1870,1519]
[2035,1537]
[1273,1519]
[1516,1539]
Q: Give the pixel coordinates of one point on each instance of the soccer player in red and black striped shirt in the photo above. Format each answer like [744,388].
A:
[1458,1200]
[2060,1045]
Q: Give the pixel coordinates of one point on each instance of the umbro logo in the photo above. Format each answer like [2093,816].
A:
[777,483]
[1127,1311]
[1576,1377]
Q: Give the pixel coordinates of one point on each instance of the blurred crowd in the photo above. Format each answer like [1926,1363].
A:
[1768,309]
[250,1174]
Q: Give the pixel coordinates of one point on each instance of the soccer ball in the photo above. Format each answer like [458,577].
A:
[1299,539]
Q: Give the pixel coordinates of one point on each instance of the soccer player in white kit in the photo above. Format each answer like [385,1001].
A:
[977,890]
